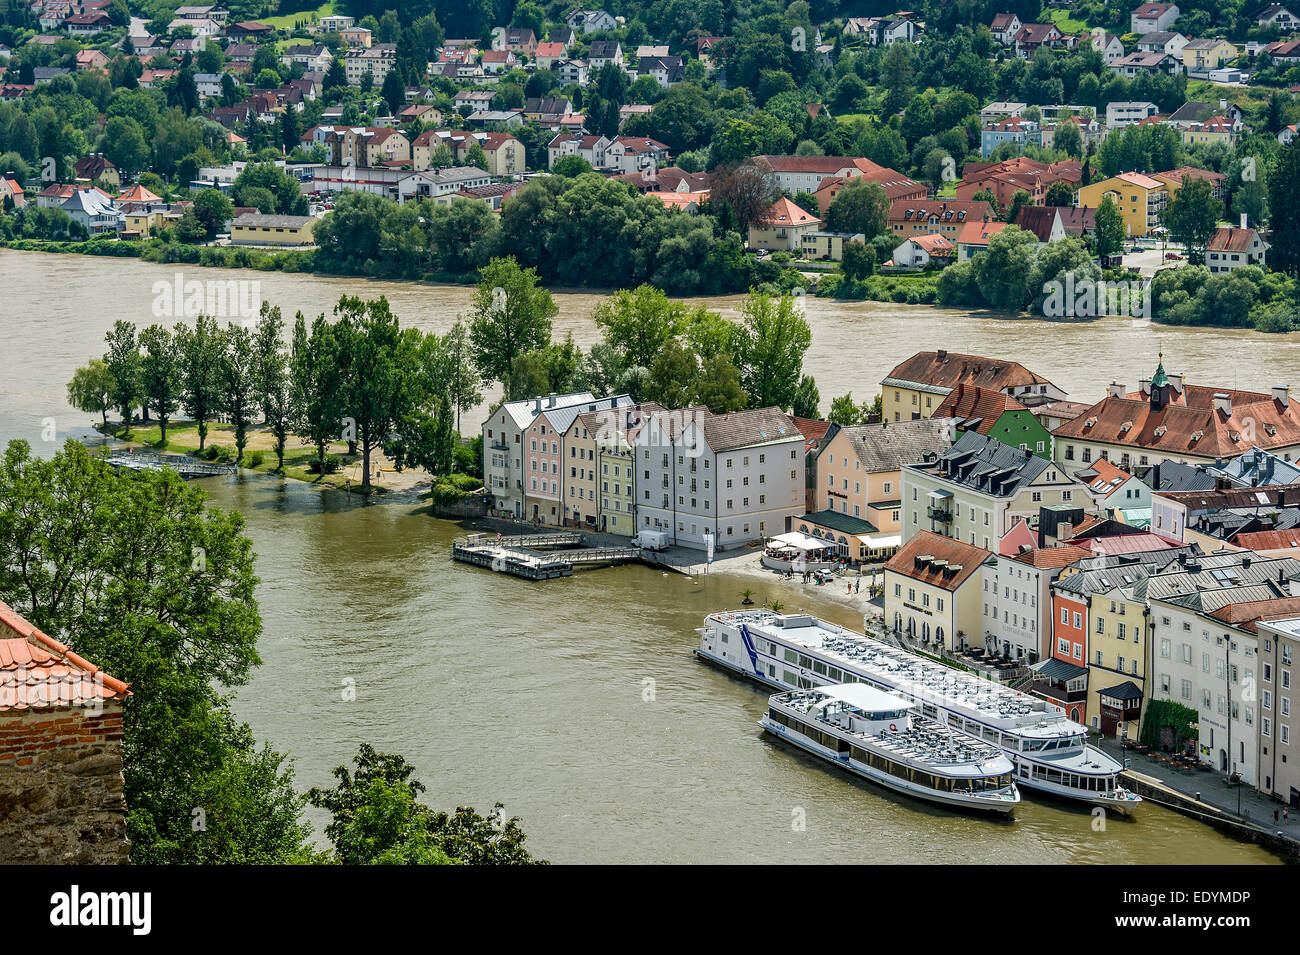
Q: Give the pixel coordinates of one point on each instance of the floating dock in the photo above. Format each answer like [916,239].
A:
[182,464]
[538,556]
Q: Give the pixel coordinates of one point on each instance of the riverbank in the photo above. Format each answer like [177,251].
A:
[259,456]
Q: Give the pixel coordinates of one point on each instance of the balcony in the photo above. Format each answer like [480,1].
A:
[941,514]
[1055,691]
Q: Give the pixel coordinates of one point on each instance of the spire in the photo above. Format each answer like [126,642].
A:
[1160,379]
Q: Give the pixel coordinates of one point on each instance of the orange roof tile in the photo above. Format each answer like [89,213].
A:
[967,402]
[37,671]
[937,561]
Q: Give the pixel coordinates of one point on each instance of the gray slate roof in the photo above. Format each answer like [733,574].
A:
[889,445]
[988,466]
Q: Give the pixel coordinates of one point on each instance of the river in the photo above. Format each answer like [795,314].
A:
[577,702]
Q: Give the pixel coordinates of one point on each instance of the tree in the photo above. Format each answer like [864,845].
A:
[214,210]
[123,362]
[160,375]
[272,387]
[376,818]
[806,399]
[569,166]
[376,368]
[1191,217]
[1110,228]
[394,92]
[239,374]
[674,376]
[509,315]
[740,195]
[200,351]
[1003,270]
[859,206]
[846,413]
[1059,193]
[1284,205]
[314,385]
[155,585]
[773,339]
[718,385]
[91,388]
[462,378]
[190,228]
[858,261]
[1019,199]
[1068,139]
[639,322]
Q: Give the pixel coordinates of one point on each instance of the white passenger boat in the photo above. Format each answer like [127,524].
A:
[873,734]
[799,651]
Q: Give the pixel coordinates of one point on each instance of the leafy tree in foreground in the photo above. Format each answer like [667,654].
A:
[137,573]
[200,350]
[509,315]
[774,339]
[377,819]
[123,361]
[1192,216]
[160,375]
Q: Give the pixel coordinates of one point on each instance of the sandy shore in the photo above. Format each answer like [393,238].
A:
[747,567]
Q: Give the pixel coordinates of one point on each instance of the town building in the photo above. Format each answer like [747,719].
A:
[934,589]
[254,228]
[1231,247]
[1279,763]
[782,227]
[916,387]
[946,217]
[996,415]
[1150,17]
[979,488]
[1139,198]
[920,251]
[734,478]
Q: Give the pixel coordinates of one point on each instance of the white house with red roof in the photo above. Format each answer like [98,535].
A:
[1152,17]
[782,227]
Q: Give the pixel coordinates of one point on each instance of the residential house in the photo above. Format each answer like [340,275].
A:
[355,37]
[828,245]
[919,251]
[1218,129]
[1151,17]
[934,589]
[1109,45]
[1004,28]
[1031,36]
[916,387]
[782,228]
[979,488]
[521,40]
[590,148]
[1017,130]
[95,168]
[974,238]
[666,70]
[795,174]
[503,454]
[1231,247]
[93,210]
[1112,488]
[1024,597]
[1017,174]
[376,60]
[858,474]
[547,458]
[1053,223]
[1163,41]
[616,434]
[1175,178]
[1168,419]
[604,51]
[1208,54]
[633,153]
[91,60]
[548,54]
[590,21]
[995,415]
[1142,62]
[311,57]
[1128,112]
[945,217]
[734,477]
[1139,199]
[1278,16]
[495,62]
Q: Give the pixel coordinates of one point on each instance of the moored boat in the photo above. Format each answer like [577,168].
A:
[874,734]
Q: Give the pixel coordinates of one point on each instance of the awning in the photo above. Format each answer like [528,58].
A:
[1054,669]
[1128,690]
[881,541]
[940,495]
[801,541]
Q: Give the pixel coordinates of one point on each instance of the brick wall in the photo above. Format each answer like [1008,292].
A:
[61,784]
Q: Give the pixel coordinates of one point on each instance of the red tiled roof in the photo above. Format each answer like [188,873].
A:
[785,212]
[1049,557]
[1246,615]
[948,369]
[36,671]
[967,402]
[1228,238]
[937,561]
[1268,540]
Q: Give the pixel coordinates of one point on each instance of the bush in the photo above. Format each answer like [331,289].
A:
[465,482]
[255,459]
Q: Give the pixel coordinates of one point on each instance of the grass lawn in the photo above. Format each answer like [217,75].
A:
[1064,22]
[282,45]
[1246,97]
[287,21]
[183,438]
[949,190]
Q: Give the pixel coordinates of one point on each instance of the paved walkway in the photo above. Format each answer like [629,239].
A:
[1213,789]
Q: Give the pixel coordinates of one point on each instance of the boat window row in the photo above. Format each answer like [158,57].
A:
[1098,784]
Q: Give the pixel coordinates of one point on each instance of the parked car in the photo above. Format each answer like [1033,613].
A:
[1173,257]
[1136,248]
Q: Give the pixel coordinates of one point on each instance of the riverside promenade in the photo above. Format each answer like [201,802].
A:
[1237,809]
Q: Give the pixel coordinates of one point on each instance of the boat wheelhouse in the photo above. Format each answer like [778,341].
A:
[873,734]
[799,651]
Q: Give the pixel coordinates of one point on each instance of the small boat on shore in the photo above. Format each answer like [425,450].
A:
[873,734]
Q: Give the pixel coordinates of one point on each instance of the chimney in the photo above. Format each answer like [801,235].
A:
[550,400]
[1223,105]
[1177,382]
[1243,220]
[1144,385]
[943,354]
[1116,390]
[1282,394]
[1223,404]
[537,406]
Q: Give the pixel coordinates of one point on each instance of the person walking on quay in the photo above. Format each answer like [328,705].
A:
[1275,817]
